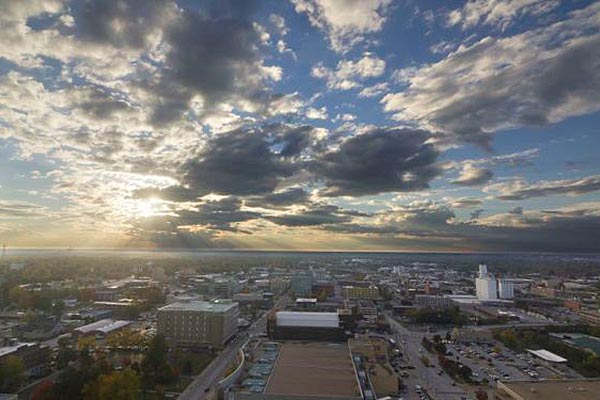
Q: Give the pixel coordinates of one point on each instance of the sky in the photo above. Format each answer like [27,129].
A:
[367,125]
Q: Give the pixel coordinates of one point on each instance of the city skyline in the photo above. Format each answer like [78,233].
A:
[373,125]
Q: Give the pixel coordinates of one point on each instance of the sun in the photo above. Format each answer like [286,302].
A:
[147,208]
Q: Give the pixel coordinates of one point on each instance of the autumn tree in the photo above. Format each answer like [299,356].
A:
[119,385]
[155,368]
[12,374]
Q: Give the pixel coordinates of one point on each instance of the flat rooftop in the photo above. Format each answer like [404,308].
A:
[553,390]
[307,369]
[198,306]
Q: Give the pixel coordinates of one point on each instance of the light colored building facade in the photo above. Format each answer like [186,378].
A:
[279,284]
[506,289]
[486,285]
[198,323]
[362,293]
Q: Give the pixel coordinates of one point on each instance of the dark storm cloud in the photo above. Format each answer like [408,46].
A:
[294,140]
[244,162]
[382,160]
[213,54]
[211,51]
[120,23]
[217,214]
[573,74]
[100,105]
[554,230]
[170,193]
[289,197]
[316,215]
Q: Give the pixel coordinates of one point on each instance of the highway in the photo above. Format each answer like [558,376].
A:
[437,386]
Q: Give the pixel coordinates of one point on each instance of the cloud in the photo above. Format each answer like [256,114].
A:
[346,117]
[379,160]
[284,198]
[498,13]
[215,57]
[348,73]
[430,225]
[315,215]
[316,113]
[521,190]
[476,214]
[473,176]
[464,202]
[12,209]
[279,22]
[534,78]
[247,162]
[219,214]
[122,23]
[346,22]
[375,90]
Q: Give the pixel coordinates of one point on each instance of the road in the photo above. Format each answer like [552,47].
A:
[437,386]
[201,386]
[204,382]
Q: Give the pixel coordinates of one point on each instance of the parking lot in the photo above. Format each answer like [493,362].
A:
[493,361]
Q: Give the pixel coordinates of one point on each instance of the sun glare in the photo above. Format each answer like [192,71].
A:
[149,208]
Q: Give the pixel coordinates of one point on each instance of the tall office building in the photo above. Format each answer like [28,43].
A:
[198,323]
[486,285]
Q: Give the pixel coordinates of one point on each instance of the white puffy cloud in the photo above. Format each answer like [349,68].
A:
[471,175]
[316,113]
[346,22]
[348,74]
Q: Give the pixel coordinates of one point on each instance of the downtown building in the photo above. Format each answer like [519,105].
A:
[361,292]
[198,323]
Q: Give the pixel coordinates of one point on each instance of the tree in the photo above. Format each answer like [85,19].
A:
[44,391]
[12,374]
[119,385]
[19,296]
[70,383]
[155,368]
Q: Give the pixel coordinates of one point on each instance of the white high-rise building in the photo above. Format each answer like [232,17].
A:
[486,285]
[506,289]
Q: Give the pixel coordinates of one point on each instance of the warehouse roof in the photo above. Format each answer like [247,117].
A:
[308,319]
[313,370]
[103,326]
[548,356]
